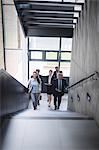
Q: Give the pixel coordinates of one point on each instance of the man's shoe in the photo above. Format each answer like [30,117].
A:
[35,108]
[55,108]
[58,107]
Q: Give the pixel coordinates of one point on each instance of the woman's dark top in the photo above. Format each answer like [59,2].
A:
[49,86]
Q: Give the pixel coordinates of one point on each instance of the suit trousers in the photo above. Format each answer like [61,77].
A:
[57,97]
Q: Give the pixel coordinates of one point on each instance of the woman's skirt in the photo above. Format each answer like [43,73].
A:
[49,89]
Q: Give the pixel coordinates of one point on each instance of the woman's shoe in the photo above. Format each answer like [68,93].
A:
[38,103]
[48,105]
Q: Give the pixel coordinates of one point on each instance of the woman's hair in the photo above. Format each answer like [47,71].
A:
[38,70]
[34,72]
[50,71]
[38,80]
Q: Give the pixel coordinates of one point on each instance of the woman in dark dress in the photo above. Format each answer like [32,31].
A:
[49,87]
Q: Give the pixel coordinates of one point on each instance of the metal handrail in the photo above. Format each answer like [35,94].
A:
[95,73]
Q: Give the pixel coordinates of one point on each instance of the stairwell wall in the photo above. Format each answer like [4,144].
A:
[85,61]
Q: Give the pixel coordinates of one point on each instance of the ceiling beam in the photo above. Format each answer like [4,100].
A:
[49,11]
[48,18]
[50,25]
[55,15]
[32,12]
[48,21]
[48,3]
[47,7]
[50,32]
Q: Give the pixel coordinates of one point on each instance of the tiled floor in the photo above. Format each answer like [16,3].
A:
[29,130]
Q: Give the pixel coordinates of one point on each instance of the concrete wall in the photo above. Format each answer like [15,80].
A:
[85,61]
[1,41]
[15,43]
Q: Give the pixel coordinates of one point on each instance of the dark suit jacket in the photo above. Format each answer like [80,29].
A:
[55,74]
[55,85]
[51,79]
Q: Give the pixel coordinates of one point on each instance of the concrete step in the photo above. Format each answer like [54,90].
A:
[23,134]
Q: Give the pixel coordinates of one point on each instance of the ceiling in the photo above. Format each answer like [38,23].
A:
[48,18]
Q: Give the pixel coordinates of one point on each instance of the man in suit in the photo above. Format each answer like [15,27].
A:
[38,73]
[59,86]
[55,72]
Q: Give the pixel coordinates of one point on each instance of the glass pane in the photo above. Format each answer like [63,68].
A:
[44,67]
[65,67]
[66,44]
[51,55]
[65,56]
[36,55]
[44,43]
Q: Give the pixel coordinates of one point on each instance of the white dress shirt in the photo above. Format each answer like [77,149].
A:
[49,79]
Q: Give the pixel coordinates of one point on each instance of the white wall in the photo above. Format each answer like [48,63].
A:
[15,44]
[1,41]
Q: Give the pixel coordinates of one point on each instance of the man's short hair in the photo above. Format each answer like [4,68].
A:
[60,71]
[38,70]
[56,67]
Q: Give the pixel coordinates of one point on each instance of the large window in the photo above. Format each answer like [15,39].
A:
[44,54]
